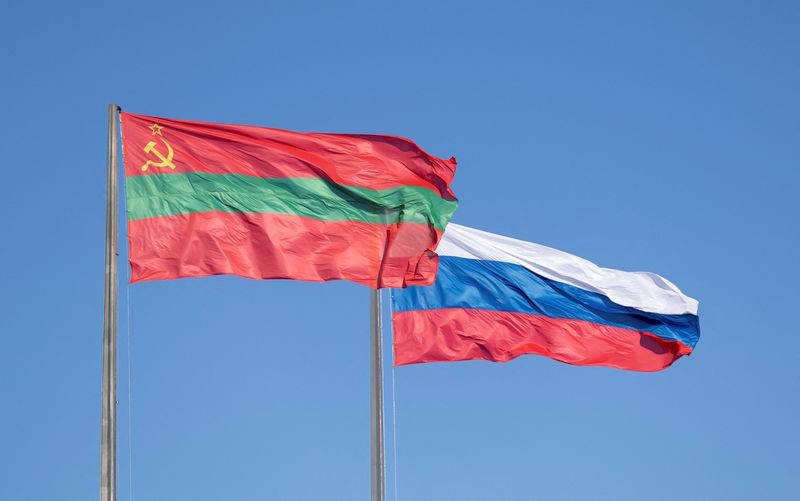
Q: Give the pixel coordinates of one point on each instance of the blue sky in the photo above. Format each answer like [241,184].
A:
[658,136]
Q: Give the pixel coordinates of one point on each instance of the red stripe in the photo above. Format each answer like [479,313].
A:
[366,161]
[448,335]
[263,246]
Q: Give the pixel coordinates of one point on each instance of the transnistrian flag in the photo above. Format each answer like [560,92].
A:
[210,199]
[496,298]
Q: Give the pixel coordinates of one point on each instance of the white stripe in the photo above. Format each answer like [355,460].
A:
[641,290]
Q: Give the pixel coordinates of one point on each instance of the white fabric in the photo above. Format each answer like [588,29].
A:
[640,290]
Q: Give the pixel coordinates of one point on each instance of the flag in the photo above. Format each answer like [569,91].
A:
[496,298]
[210,199]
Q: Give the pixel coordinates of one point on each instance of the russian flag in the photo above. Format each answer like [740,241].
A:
[496,298]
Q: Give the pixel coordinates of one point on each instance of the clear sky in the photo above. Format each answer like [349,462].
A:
[659,136]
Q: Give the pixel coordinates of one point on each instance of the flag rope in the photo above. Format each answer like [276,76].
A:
[130,391]
[394,405]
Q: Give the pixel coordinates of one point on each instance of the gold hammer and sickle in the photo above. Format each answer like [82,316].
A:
[166,161]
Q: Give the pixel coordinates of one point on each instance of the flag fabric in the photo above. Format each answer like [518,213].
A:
[496,298]
[210,199]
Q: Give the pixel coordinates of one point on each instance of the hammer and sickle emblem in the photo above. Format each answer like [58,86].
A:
[165,161]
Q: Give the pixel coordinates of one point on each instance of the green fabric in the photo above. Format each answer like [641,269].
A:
[155,195]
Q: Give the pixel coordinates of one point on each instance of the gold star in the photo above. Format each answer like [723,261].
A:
[156,129]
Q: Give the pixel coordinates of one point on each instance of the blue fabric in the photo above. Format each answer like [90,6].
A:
[500,286]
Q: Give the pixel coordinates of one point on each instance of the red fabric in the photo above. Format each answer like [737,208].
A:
[265,246]
[365,161]
[448,335]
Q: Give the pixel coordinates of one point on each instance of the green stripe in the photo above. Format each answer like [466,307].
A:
[157,195]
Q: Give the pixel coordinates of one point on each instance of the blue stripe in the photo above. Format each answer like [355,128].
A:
[500,286]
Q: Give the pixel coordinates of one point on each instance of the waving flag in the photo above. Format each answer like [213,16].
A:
[496,298]
[209,199]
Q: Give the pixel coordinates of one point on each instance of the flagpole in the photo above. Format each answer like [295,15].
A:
[108,432]
[376,396]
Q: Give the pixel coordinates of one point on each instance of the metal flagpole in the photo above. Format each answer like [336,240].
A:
[108,433]
[376,396]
